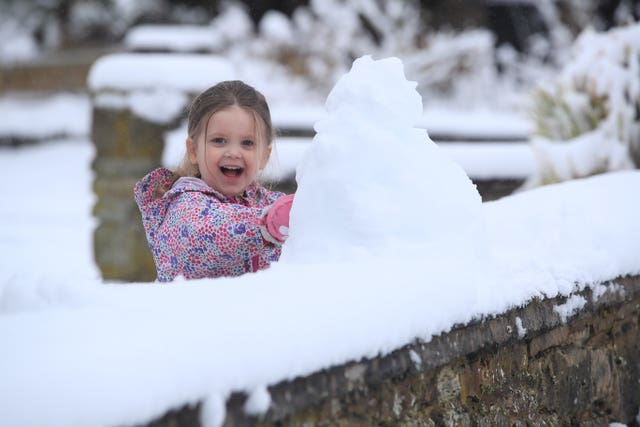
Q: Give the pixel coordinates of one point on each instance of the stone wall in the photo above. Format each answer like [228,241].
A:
[127,148]
[64,70]
[524,367]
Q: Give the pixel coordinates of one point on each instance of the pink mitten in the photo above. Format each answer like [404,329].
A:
[275,220]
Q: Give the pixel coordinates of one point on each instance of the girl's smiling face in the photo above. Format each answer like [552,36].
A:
[229,151]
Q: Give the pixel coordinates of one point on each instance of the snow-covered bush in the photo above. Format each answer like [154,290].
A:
[458,66]
[587,120]
[19,24]
[321,40]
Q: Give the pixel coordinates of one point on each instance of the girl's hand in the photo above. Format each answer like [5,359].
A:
[275,220]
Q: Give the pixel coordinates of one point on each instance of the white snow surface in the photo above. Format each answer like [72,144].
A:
[479,122]
[574,304]
[258,401]
[81,352]
[61,114]
[124,354]
[492,160]
[522,331]
[139,71]
[276,26]
[159,106]
[45,218]
[176,38]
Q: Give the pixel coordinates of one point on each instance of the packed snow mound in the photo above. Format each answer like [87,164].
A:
[374,184]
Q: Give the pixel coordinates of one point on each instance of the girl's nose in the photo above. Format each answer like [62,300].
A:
[232,151]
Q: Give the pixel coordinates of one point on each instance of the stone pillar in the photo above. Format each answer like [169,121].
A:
[127,148]
[135,101]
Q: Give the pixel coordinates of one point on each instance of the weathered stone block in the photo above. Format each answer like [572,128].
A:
[116,211]
[127,148]
[107,167]
[45,77]
[123,135]
[554,337]
[122,253]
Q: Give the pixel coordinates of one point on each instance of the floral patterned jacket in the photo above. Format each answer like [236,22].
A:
[197,232]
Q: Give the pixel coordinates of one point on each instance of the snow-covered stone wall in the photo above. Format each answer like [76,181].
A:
[559,361]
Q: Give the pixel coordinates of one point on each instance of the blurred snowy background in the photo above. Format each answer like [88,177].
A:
[460,53]
[465,55]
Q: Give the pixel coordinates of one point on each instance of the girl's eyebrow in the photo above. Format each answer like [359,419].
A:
[249,136]
[218,133]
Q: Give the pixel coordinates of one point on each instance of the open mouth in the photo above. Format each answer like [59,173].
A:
[231,170]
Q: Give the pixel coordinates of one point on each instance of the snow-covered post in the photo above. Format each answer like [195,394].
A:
[136,98]
[588,118]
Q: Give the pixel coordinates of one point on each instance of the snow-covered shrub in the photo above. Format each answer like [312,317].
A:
[19,24]
[587,120]
[327,35]
[231,26]
[320,41]
[459,66]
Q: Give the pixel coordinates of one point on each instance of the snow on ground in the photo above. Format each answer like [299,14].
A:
[476,123]
[77,351]
[45,217]
[58,115]
[492,160]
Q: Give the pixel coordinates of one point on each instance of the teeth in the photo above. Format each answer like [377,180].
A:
[231,170]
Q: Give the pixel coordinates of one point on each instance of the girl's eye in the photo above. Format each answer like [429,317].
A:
[218,140]
[248,143]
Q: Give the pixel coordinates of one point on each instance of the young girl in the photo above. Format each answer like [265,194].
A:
[210,217]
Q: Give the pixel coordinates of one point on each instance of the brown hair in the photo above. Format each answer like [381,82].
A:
[222,95]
